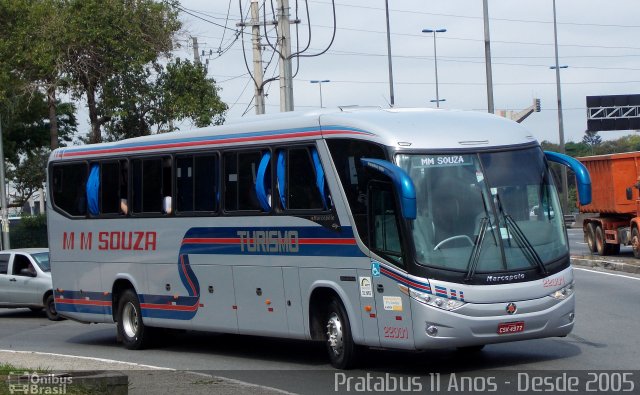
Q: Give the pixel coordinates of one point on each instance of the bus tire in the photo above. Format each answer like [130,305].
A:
[131,329]
[50,309]
[590,235]
[635,241]
[339,341]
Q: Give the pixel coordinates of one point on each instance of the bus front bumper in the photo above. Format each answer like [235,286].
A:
[479,324]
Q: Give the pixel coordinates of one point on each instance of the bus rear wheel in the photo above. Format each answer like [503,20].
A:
[131,329]
[339,341]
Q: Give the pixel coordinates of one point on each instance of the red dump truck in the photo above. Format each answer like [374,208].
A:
[615,182]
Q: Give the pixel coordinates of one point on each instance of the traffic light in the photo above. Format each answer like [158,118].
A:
[537,104]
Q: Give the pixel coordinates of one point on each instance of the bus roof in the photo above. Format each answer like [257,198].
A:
[408,128]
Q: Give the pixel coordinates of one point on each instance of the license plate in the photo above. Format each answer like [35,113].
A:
[510,327]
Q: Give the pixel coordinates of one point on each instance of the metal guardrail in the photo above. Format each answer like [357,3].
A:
[569,219]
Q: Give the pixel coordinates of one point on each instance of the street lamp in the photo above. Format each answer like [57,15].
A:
[435,61]
[557,67]
[319,82]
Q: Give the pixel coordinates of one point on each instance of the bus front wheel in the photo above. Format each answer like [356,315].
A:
[131,329]
[340,346]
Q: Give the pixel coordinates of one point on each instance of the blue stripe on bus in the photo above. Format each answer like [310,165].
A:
[86,309]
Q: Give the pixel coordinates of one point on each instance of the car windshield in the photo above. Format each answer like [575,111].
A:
[486,212]
[42,259]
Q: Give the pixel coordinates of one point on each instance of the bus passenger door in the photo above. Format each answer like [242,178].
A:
[393,307]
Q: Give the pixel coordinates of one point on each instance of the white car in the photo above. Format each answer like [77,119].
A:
[25,280]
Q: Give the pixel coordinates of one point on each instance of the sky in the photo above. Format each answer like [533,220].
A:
[597,41]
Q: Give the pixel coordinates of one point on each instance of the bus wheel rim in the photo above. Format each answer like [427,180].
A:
[130,320]
[335,334]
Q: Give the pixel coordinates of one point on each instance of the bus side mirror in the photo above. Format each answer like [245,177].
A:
[583,180]
[403,186]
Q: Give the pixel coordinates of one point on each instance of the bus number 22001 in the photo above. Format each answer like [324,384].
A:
[395,332]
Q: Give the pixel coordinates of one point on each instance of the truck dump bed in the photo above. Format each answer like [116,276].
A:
[611,175]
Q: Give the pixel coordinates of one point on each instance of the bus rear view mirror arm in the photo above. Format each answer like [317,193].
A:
[583,179]
[402,183]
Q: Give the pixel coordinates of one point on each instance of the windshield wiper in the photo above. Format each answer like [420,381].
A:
[475,252]
[523,242]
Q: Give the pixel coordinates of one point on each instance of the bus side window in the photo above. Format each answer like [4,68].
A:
[196,183]
[68,189]
[385,232]
[206,183]
[184,183]
[109,188]
[299,180]
[346,155]
[167,190]
[240,175]
[123,187]
[148,178]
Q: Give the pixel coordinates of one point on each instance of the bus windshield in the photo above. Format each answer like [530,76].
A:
[485,212]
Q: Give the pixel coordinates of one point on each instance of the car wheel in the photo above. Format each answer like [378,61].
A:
[340,346]
[131,328]
[50,309]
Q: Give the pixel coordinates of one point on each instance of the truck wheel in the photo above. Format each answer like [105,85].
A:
[600,240]
[603,247]
[340,346]
[131,329]
[635,242]
[590,235]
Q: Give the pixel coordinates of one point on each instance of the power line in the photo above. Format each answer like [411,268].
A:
[477,40]
[479,17]
[204,19]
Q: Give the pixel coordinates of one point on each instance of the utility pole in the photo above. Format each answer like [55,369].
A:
[3,197]
[487,57]
[196,52]
[257,57]
[557,67]
[391,96]
[284,38]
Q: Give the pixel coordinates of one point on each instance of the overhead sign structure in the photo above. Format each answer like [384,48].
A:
[613,112]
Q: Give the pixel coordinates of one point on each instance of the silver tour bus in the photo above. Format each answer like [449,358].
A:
[393,228]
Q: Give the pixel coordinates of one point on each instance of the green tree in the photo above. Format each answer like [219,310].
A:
[32,49]
[592,139]
[151,98]
[26,139]
[110,37]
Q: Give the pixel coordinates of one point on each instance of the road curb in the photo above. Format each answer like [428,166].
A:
[597,262]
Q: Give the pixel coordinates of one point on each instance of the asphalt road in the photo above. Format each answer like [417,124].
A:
[605,337]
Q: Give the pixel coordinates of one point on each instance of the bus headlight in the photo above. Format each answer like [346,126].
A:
[563,293]
[441,303]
